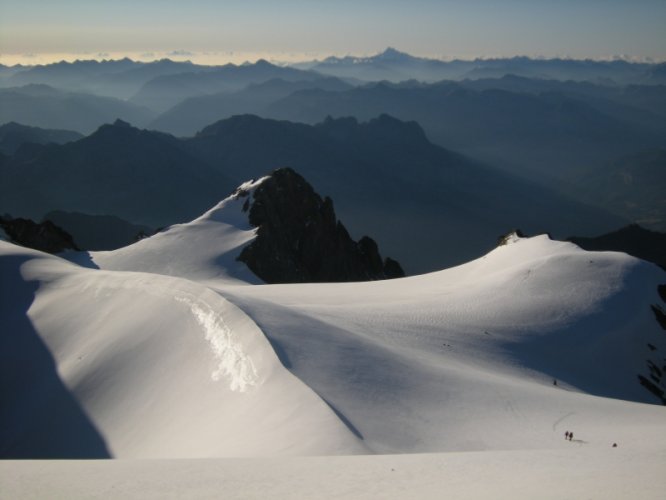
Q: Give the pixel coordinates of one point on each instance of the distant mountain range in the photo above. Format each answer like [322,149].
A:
[395,66]
[42,106]
[115,78]
[163,92]
[551,132]
[427,206]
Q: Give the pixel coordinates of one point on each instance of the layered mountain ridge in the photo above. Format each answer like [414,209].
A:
[384,174]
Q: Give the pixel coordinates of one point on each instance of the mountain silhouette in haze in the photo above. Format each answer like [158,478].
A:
[164,92]
[140,176]
[13,134]
[191,115]
[113,78]
[47,107]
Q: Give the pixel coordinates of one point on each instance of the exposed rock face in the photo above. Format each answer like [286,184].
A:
[44,236]
[299,238]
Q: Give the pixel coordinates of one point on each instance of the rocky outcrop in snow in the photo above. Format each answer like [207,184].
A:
[44,236]
[299,238]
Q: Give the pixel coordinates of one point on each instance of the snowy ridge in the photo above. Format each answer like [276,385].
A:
[204,249]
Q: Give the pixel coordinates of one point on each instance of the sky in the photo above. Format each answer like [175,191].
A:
[218,31]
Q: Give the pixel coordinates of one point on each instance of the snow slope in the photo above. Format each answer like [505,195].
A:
[465,359]
[162,367]
[166,352]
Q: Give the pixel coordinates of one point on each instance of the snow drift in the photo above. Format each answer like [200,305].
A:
[171,348]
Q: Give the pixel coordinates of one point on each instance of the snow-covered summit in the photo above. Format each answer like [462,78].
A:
[203,249]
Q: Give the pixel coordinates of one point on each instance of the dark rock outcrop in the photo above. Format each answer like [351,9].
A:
[299,238]
[44,236]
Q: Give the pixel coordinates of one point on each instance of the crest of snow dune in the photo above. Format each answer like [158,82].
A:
[242,191]
[233,363]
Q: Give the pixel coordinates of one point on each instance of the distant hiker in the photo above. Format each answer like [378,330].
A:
[570,436]
[554,382]
[566,435]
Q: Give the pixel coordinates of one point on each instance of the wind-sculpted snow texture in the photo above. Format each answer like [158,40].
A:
[233,362]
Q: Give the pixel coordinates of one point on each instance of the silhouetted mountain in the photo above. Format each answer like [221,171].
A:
[193,114]
[633,186]
[300,240]
[632,239]
[98,232]
[12,135]
[164,92]
[537,135]
[143,177]
[44,236]
[427,206]
[395,66]
[46,107]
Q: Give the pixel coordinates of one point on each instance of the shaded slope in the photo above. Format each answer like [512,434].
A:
[39,417]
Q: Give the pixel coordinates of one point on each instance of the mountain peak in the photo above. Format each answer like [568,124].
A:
[391,54]
[121,124]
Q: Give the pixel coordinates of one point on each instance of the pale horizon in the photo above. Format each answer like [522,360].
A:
[208,32]
[217,58]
